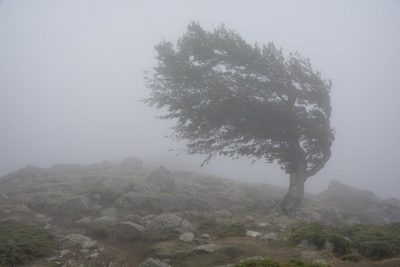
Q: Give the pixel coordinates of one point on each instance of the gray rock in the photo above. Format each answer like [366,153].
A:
[128,231]
[269,237]
[110,212]
[161,179]
[102,227]
[133,200]
[167,225]
[208,248]
[84,241]
[306,245]
[153,263]
[252,233]
[84,221]
[186,237]
[74,206]
[136,219]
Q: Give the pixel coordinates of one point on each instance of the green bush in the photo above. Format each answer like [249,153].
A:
[231,229]
[341,245]
[311,232]
[269,263]
[318,235]
[20,244]
[377,250]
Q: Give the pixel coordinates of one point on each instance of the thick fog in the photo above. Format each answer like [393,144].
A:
[71,81]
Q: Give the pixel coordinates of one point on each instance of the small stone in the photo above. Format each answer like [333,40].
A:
[205,235]
[209,248]
[64,252]
[269,237]
[252,233]
[264,224]
[94,255]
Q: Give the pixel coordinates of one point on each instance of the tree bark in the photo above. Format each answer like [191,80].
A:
[295,195]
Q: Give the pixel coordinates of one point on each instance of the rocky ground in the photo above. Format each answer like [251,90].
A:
[119,214]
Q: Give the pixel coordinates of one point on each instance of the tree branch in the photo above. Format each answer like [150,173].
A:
[320,165]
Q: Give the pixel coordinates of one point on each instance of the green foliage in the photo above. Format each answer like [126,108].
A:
[377,250]
[371,241]
[270,263]
[313,233]
[230,230]
[232,98]
[20,244]
[375,241]
[318,235]
[341,245]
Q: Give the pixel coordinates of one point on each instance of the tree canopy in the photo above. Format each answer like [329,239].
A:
[232,98]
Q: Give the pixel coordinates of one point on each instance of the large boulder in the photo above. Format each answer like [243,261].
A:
[133,200]
[102,227]
[131,164]
[74,206]
[359,205]
[167,225]
[128,231]
[161,179]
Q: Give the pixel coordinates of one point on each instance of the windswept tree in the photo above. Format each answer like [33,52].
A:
[240,100]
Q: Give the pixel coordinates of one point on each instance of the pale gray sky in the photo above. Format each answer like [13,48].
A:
[71,80]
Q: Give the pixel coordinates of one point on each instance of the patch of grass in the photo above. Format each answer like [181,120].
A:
[207,224]
[258,263]
[20,244]
[351,257]
[231,230]
[270,263]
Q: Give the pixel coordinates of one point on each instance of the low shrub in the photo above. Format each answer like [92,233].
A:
[341,245]
[20,244]
[318,235]
[230,230]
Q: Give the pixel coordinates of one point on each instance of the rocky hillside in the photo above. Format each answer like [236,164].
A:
[119,214]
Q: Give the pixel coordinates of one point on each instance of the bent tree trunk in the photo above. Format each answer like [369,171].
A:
[295,195]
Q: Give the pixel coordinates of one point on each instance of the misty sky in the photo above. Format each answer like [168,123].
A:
[71,80]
